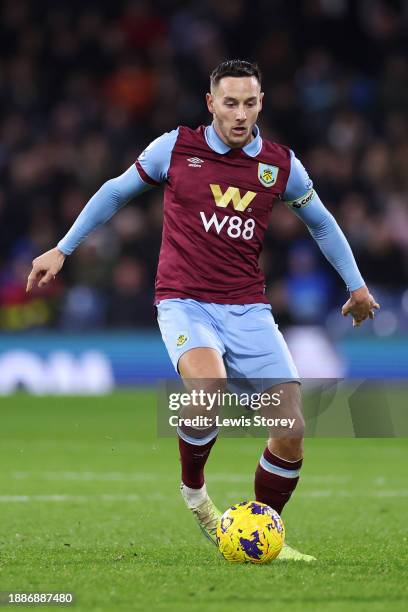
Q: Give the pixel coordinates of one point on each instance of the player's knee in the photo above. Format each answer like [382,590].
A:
[205,400]
[290,449]
[297,426]
[205,391]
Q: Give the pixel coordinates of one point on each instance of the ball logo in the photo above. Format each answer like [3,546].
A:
[277,522]
[226,522]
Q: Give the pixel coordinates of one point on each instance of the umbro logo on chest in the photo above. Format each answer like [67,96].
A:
[195,162]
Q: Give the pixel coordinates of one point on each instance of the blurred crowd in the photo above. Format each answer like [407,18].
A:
[86,85]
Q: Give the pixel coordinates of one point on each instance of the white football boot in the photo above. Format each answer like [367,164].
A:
[205,512]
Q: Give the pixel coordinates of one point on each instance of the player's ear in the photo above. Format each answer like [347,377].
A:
[210,102]
[261,95]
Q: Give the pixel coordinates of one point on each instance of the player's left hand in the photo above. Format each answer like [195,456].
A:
[361,306]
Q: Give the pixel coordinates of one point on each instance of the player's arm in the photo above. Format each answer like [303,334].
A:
[150,169]
[301,198]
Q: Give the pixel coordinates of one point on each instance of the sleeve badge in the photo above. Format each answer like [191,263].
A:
[302,201]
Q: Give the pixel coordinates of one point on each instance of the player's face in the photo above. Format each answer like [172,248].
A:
[235,103]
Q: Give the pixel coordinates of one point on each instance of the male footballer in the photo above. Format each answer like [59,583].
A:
[221,182]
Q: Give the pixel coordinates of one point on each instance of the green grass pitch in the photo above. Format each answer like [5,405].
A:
[89,503]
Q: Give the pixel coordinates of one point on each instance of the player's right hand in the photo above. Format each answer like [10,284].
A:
[45,268]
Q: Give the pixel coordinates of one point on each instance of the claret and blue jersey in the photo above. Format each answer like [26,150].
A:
[154,162]
[217,206]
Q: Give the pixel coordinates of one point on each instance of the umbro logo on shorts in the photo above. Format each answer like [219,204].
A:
[195,162]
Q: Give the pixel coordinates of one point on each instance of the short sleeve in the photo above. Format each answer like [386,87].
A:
[153,163]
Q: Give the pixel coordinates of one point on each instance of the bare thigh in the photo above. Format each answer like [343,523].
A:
[202,369]
[202,363]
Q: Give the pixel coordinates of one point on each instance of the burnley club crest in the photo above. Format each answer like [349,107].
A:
[267,174]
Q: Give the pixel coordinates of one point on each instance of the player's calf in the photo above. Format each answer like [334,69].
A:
[194,453]
[276,479]
[278,471]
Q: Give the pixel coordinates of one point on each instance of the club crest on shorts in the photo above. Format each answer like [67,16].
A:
[267,174]
[182,338]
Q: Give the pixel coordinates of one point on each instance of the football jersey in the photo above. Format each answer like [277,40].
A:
[217,206]
[217,203]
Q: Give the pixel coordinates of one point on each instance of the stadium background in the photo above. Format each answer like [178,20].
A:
[85,86]
[88,491]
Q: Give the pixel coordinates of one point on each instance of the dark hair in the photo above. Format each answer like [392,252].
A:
[235,68]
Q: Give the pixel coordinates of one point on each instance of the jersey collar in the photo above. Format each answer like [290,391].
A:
[215,143]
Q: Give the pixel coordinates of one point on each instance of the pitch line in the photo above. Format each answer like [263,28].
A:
[105,497]
[134,497]
[145,477]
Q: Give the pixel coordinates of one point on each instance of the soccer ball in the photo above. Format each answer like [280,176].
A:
[250,532]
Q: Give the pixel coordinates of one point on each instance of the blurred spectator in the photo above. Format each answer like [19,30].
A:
[131,303]
[84,87]
[84,309]
[307,285]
